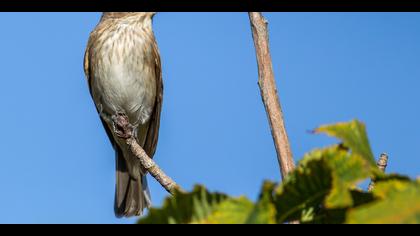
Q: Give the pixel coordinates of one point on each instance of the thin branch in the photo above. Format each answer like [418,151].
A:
[124,130]
[382,164]
[269,95]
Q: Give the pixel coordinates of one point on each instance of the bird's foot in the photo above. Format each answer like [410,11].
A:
[121,125]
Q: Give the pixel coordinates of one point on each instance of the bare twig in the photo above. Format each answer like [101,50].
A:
[382,164]
[124,130]
[269,95]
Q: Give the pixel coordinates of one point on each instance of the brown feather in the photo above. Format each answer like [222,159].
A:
[154,123]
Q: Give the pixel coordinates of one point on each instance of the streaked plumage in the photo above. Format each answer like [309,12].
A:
[122,65]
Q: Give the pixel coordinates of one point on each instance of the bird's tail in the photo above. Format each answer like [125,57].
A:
[131,195]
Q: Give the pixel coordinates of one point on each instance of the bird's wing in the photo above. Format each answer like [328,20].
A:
[86,63]
[88,68]
[153,130]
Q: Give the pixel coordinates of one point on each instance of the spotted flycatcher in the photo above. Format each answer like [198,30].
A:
[122,66]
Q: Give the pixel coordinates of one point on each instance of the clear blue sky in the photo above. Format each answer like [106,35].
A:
[57,165]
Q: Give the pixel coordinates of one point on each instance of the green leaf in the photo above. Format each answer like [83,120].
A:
[184,207]
[203,207]
[353,135]
[388,177]
[264,211]
[231,211]
[338,215]
[399,203]
[243,211]
[347,170]
[324,178]
[304,189]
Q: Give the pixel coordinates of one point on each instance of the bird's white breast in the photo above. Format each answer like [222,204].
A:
[125,79]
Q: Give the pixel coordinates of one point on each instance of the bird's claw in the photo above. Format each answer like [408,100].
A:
[121,125]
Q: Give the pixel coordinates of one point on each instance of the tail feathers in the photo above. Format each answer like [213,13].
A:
[131,195]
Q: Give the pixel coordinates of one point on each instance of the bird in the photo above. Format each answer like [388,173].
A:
[123,70]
